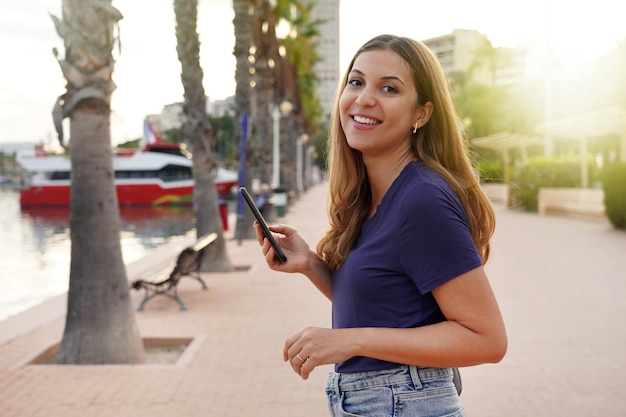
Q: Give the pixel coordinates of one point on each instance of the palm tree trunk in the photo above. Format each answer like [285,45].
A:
[243,23]
[197,129]
[266,44]
[100,324]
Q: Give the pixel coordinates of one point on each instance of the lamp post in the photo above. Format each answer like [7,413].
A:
[302,140]
[284,108]
[279,195]
[308,180]
[276,148]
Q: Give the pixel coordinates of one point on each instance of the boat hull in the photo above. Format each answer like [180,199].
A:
[142,178]
[135,195]
[127,194]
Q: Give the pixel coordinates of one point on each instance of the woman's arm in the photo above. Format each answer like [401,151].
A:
[474,333]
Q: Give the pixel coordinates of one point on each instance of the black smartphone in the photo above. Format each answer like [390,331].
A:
[257,214]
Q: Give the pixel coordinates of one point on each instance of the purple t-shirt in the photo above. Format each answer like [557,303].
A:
[418,239]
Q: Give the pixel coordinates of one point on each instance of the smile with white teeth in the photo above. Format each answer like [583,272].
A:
[364,120]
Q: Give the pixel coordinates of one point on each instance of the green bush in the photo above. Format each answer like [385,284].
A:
[489,171]
[542,172]
[614,185]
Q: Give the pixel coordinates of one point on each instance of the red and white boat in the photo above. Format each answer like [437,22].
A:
[159,174]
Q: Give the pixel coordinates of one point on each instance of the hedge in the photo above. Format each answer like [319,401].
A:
[614,185]
[544,171]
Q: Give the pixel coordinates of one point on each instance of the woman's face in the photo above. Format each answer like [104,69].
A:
[377,105]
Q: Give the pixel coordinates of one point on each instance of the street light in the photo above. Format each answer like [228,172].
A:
[310,153]
[284,108]
[302,140]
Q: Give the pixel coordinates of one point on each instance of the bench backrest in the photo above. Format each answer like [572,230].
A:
[204,241]
[190,259]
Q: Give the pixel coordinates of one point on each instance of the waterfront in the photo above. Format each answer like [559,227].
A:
[35,246]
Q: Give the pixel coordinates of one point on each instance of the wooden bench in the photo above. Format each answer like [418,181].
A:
[497,193]
[581,201]
[163,278]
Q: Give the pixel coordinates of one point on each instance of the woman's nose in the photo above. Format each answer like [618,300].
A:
[365,98]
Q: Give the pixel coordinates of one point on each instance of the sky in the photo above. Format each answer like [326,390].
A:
[147,70]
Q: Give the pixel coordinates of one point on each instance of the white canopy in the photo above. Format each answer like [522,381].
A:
[582,128]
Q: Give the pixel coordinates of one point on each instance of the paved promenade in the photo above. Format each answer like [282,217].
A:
[561,284]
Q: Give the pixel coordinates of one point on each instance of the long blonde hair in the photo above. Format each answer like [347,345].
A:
[439,144]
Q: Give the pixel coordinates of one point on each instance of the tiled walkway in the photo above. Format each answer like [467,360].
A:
[560,283]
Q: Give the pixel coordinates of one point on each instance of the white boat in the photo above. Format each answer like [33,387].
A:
[160,174]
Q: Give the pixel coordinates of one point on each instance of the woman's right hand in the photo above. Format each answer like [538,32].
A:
[292,243]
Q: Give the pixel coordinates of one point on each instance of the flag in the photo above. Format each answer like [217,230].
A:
[40,151]
[149,135]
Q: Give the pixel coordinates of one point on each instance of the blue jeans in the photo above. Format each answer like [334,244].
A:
[400,392]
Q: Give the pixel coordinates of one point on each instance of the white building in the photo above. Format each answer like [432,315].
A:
[327,69]
[456,51]
[515,67]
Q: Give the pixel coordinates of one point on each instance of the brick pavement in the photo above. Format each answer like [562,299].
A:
[558,281]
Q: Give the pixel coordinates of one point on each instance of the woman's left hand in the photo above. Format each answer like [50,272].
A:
[316,346]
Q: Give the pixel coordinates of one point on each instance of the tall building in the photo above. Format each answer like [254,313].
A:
[327,69]
[456,51]
[515,67]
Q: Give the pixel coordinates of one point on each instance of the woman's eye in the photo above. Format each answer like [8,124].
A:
[355,82]
[389,89]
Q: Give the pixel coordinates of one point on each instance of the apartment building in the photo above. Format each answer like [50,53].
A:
[327,69]
[456,51]
[514,66]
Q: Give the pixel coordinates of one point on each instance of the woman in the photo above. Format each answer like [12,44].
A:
[403,259]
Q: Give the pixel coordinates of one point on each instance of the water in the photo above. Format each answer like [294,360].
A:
[35,246]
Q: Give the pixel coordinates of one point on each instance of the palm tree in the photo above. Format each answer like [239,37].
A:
[244,52]
[297,81]
[197,129]
[266,59]
[302,56]
[256,54]
[266,77]
[100,324]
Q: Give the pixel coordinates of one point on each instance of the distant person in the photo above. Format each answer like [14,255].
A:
[403,259]
[262,200]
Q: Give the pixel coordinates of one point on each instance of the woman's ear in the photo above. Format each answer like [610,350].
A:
[423,114]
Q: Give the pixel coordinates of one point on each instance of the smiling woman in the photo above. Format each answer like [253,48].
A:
[402,260]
